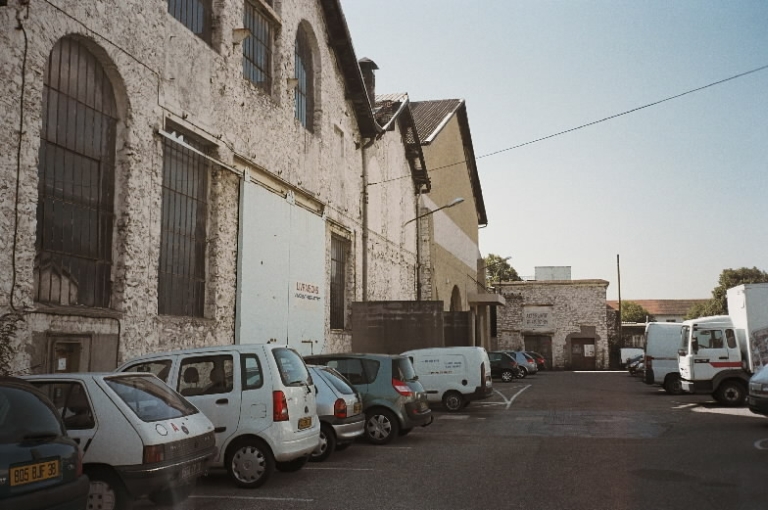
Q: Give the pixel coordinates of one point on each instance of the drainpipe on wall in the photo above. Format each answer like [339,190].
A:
[418,247]
[364,198]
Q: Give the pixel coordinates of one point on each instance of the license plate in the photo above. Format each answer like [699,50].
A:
[36,472]
[305,423]
[358,408]
[191,471]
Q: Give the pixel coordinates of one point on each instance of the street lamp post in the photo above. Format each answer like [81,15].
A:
[454,202]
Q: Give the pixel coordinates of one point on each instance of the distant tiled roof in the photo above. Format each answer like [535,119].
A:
[386,107]
[662,306]
[431,116]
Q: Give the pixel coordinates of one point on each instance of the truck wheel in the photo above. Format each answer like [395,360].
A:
[453,401]
[731,393]
[673,385]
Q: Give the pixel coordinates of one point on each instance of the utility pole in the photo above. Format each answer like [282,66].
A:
[618,272]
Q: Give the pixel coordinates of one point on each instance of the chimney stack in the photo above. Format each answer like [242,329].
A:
[368,66]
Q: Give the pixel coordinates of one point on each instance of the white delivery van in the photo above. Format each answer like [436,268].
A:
[662,340]
[453,376]
[260,398]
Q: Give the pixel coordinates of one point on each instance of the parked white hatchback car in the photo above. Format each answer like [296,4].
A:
[340,410]
[138,437]
[260,398]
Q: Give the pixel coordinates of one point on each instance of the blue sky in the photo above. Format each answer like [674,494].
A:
[678,190]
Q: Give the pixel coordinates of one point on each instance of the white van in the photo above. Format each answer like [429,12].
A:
[662,340]
[453,376]
[260,398]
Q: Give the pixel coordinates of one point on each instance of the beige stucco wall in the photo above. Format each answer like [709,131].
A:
[454,249]
[162,72]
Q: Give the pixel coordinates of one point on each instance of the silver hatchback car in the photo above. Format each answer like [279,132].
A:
[340,410]
[527,364]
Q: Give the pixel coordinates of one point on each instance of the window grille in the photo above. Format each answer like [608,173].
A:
[339,250]
[257,49]
[181,278]
[193,14]
[305,87]
[75,207]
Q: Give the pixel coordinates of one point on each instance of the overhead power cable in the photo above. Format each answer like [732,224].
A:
[588,124]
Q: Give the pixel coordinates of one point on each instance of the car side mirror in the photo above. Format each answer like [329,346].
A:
[695,346]
[681,352]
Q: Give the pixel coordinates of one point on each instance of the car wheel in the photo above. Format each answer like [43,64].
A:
[523,372]
[405,432]
[507,376]
[291,466]
[170,497]
[673,384]
[381,426]
[453,401]
[327,444]
[107,492]
[731,393]
[250,463]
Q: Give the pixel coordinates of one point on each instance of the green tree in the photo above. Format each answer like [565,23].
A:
[718,304]
[632,312]
[497,269]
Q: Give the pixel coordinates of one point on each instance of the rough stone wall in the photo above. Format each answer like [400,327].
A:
[577,311]
[162,73]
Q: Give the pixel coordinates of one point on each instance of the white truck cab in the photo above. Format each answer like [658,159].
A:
[719,354]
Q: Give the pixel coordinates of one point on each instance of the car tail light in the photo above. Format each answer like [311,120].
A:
[279,406]
[401,388]
[154,453]
[340,408]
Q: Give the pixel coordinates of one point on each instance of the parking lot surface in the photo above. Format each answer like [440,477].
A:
[557,440]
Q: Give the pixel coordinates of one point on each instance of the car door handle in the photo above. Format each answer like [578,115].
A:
[222,401]
[219,430]
[723,357]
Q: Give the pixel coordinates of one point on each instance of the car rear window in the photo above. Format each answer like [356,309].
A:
[150,399]
[293,371]
[24,416]
[336,380]
[402,369]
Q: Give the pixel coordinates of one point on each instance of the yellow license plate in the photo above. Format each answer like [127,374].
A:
[358,408]
[305,423]
[37,472]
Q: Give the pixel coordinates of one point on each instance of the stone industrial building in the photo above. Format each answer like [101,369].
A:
[564,320]
[189,172]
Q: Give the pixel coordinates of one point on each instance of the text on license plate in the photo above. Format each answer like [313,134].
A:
[305,423]
[37,472]
[191,471]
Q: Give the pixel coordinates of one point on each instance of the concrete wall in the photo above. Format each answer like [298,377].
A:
[163,73]
[566,310]
[393,327]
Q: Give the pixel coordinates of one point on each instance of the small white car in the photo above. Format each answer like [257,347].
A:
[260,398]
[138,437]
[340,410]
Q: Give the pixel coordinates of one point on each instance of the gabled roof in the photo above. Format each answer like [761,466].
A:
[340,40]
[662,306]
[431,117]
[391,108]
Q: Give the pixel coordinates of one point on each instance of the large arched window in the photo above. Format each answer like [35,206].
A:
[75,207]
[305,87]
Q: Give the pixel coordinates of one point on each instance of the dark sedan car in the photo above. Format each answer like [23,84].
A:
[541,362]
[40,466]
[504,366]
